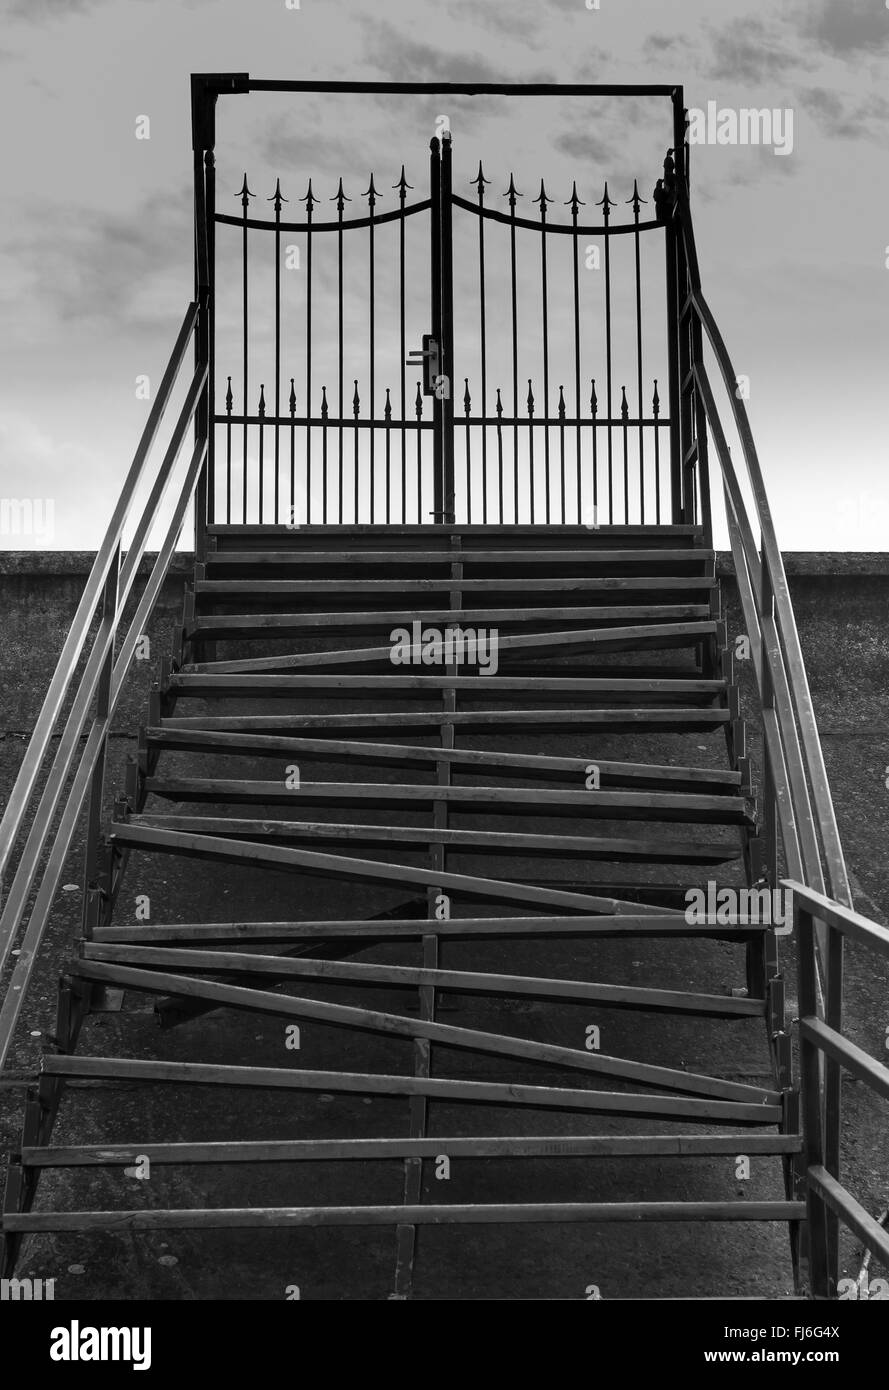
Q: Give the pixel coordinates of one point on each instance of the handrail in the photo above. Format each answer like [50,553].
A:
[824,1053]
[794,755]
[109,583]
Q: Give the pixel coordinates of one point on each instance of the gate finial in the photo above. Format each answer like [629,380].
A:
[542,199]
[479,182]
[277,197]
[561,402]
[574,201]
[324,406]
[292,401]
[402,185]
[594,400]
[605,203]
[310,200]
[340,197]
[512,193]
[370,193]
[244,193]
[636,200]
[530,398]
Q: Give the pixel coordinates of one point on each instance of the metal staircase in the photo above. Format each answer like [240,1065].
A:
[427,805]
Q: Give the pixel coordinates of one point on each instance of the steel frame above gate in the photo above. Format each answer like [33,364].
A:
[304,457]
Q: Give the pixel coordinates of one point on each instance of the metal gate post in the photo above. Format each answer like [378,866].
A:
[446,343]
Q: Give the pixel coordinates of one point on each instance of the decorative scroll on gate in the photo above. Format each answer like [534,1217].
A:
[492,367]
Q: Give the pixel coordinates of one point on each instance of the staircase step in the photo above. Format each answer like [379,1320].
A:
[507,764]
[519,1095]
[228,590]
[486,556]
[508,721]
[455,981]
[455,1146]
[204,683]
[347,867]
[260,626]
[544,644]
[651,925]
[619,805]
[275,1218]
[483,842]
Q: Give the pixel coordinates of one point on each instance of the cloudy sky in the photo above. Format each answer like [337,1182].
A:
[96,243]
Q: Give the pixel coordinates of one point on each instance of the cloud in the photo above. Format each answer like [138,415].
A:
[98,266]
[846,119]
[750,50]
[847,29]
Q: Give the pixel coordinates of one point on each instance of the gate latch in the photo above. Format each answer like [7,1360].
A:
[430,360]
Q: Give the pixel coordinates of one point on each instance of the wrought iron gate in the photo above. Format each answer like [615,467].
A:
[517,410]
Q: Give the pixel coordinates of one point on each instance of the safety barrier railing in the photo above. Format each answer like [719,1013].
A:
[91,694]
[795,794]
[824,1055]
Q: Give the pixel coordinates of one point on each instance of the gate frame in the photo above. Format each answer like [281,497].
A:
[206,88]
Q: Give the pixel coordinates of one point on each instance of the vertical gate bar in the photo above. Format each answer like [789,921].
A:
[387,416]
[543,200]
[309,201]
[107,628]
[278,200]
[245,196]
[261,426]
[355,408]
[656,411]
[448,368]
[418,409]
[575,205]
[530,405]
[564,517]
[594,408]
[292,405]
[636,201]
[467,405]
[501,515]
[229,401]
[435,287]
[511,193]
[480,180]
[371,201]
[340,199]
[402,187]
[624,427]
[324,415]
[606,204]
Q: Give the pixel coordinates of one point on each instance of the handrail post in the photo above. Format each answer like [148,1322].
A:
[107,628]
[833,1089]
[665,201]
[203,120]
[816,1241]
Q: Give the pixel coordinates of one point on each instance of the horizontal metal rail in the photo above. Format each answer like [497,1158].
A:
[80,760]
[824,1054]
[781,675]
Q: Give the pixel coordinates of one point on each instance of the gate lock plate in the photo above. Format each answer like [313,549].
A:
[430,359]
